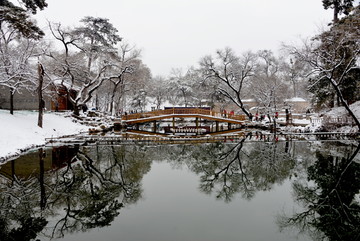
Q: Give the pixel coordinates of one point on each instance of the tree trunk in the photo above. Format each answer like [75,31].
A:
[74,104]
[96,101]
[111,109]
[241,105]
[294,86]
[336,13]
[184,95]
[40,96]
[11,102]
[76,110]
[247,113]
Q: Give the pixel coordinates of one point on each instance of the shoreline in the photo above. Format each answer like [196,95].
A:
[20,133]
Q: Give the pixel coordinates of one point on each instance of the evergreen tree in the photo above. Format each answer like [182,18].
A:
[97,35]
[339,51]
[339,6]
[18,18]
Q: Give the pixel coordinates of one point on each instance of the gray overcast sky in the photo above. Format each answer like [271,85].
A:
[177,33]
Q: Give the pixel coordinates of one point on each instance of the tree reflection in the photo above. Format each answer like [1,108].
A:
[103,180]
[228,173]
[18,218]
[331,209]
[88,191]
[28,228]
[243,167]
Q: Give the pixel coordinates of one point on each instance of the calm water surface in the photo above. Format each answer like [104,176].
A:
[249,190]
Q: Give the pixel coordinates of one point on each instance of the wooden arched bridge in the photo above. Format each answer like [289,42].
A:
[179,112]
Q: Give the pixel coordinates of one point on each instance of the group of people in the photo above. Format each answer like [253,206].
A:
[258,117]
[121,112]
[224,113]
[261,117]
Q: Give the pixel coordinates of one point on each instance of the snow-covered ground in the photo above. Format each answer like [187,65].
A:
[20,132]
[341,111]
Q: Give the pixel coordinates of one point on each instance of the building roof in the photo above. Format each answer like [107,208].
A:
[296,99]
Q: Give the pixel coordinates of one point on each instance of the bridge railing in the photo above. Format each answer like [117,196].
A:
[179,111]
[333,120]
[339,120]
[166,112]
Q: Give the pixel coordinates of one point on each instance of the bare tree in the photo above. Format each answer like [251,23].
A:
[267,85]
[295,71]
[157,90]
[137,85]
[74,74]
[15,68]
[232,71]
[127,66]
[180,86]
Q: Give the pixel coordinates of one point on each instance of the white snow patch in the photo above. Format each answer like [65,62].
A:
[20,131]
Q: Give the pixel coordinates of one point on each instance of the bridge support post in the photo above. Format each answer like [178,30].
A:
[173,123]
[229,126]
[154,127]
[217,125]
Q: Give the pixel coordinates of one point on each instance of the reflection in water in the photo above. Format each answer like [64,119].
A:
[87,192]
[331,210]
[51,193]
[240,168]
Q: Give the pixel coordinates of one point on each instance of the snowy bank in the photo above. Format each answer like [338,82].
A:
[20,132]
[341,111]
[334,113]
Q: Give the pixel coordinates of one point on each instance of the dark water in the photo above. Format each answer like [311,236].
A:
[248,190]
